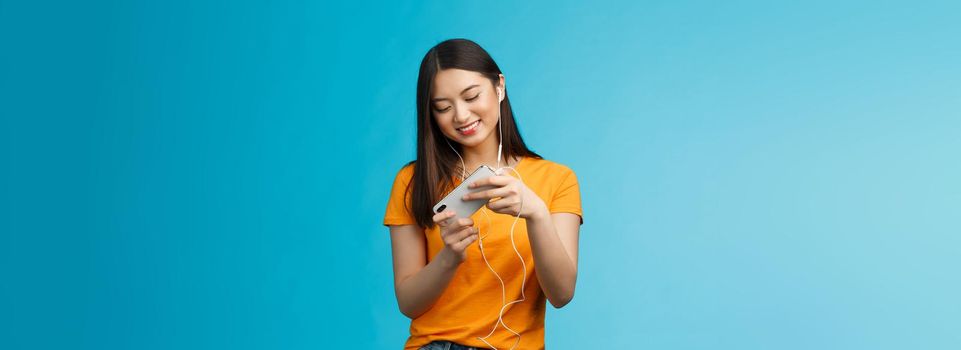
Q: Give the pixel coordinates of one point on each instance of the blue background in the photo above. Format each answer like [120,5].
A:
[755,175]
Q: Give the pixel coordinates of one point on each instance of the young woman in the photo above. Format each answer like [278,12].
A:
[480,282]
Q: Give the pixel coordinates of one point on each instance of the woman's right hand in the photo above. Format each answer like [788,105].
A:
[458,234]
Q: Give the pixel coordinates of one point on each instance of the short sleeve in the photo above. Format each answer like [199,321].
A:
[567,197]
[398,205]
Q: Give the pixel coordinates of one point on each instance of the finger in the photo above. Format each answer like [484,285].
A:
[494,193]
[441,218]
[454,227]
[452,238]
[458,224]
[464,222]
[502,204]
[460,235]
[443,215]
[498,180]
[464,243]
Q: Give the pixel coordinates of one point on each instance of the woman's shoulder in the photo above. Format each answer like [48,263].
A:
[407,168]
[545,165]
[546,172]
[405,173]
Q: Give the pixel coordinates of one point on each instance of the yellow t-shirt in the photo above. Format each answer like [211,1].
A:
[469,306]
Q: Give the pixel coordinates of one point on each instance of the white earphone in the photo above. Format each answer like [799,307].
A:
[500,138]
[504,302]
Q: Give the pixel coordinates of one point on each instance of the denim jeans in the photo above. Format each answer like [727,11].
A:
[446,345]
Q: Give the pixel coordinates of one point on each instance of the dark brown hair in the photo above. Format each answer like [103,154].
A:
[436,164]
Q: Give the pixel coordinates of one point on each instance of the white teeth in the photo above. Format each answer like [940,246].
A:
[469,126]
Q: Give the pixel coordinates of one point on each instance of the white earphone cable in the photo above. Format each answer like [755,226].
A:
[505,304]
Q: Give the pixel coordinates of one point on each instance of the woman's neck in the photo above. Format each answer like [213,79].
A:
[485,154]
[475,157]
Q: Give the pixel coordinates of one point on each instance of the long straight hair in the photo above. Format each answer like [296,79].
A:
[436,164]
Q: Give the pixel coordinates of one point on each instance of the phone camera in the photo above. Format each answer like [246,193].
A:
[441,208]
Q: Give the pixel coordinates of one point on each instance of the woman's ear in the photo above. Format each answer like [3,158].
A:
[500,88]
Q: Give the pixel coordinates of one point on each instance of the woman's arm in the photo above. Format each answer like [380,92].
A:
[418,284]
[553,239]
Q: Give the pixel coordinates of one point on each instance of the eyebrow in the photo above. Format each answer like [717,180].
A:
[462,91]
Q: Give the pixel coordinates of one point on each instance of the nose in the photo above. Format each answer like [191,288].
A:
[462,114]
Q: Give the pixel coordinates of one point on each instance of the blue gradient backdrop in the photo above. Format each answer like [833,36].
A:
[213,174]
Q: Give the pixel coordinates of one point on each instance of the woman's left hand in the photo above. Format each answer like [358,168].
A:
[509,193]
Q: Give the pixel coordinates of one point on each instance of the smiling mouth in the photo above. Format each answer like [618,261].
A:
[469,128]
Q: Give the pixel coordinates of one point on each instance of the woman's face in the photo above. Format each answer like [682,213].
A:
[465,106]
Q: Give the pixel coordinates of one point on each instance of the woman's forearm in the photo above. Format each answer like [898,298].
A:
[556,271]
[417,293]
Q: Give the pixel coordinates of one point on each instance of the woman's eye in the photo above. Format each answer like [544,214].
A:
[444,110]
[473,98]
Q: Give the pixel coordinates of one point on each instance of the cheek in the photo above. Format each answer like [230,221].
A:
[491,112]
[445,123]
[441,120]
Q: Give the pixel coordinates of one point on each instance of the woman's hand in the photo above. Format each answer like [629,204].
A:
[508,196]
[458,234]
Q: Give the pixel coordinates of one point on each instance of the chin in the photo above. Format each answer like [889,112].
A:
[473,140]
[468,142]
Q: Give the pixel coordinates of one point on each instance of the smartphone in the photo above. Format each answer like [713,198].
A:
[465,209]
